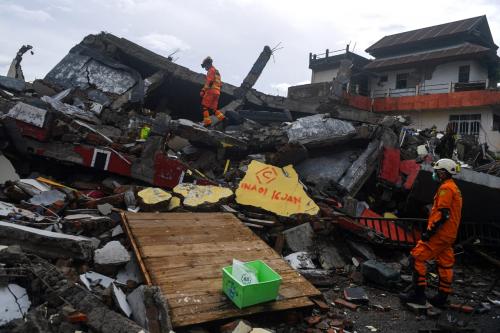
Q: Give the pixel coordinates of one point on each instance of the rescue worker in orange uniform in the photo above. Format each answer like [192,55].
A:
[437,240]
[210,92]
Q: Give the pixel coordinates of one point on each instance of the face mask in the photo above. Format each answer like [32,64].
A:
[435,177]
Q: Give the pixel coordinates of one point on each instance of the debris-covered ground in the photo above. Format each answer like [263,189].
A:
[340,193]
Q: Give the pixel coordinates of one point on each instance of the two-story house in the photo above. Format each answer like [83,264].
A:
[443,59]
[442,74]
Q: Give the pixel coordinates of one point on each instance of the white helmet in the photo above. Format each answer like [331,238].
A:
[448,165]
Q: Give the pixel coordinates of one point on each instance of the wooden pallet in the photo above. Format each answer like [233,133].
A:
[183,254]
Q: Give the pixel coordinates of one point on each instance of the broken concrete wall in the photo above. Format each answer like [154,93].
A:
[46,243]
[362,168]
[321,171]
[176,89]
[320,130]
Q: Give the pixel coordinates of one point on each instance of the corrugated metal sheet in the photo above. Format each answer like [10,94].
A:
[459,50]
[441,30]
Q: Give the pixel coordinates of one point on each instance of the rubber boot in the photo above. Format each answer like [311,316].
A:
[206,118]
[219,115]
[439,300]
[416,296]
[207,121]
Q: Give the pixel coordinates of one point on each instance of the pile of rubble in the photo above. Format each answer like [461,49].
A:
[112,128]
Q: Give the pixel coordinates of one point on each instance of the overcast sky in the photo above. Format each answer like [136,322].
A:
[233,32]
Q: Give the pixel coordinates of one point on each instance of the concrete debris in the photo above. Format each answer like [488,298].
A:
[99,317]
[92,279]
[47,198]
[130,272]
[379,273]
[70,110]
[361,169]
[320,130]
[14,302]
[260,330]
[300,260]
[105,209]
[111,129]
[117,231]
[149,309]
[121,300]
[363,250]
[28,114]
[319,277]
[32,186]
[356,295]
[7,171]
[112,254]
[241,327]
[299,238]
[15,70]
[46,243]
[11,84]
[330,257]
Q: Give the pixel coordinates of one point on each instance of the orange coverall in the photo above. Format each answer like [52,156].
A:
[440,245]
[210,95]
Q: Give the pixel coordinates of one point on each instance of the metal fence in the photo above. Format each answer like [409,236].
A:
[405,232]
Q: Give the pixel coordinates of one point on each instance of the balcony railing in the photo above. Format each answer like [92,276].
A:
[427,89]
[327,53]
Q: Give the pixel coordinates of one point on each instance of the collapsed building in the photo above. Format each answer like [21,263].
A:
[291,170]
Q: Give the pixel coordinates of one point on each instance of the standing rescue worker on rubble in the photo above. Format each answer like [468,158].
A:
[210,92]
[437,240]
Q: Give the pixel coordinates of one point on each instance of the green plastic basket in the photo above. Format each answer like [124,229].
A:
[246,295]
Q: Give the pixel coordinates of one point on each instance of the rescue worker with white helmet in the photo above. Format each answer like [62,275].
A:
[437,240]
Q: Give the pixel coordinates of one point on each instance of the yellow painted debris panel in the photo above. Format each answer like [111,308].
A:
[153,195]
[277,190]
[174,203]
[196,195]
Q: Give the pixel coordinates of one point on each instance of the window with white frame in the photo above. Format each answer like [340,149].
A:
[466,124]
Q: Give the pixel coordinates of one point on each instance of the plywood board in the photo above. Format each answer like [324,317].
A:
[183,254]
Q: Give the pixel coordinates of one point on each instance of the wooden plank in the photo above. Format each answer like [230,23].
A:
[183,253]
[214,284]
[168,250]
[191,239]
[187,230]
[293,290]
[194,217]
[137,252]
[211,270]
[217,314]
[164,263]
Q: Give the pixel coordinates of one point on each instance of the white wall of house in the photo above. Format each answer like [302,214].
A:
[441,118]
[324,75]
[381,88]
[439,82]
[448,72]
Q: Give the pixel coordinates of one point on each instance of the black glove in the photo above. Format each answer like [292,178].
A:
[425,236]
